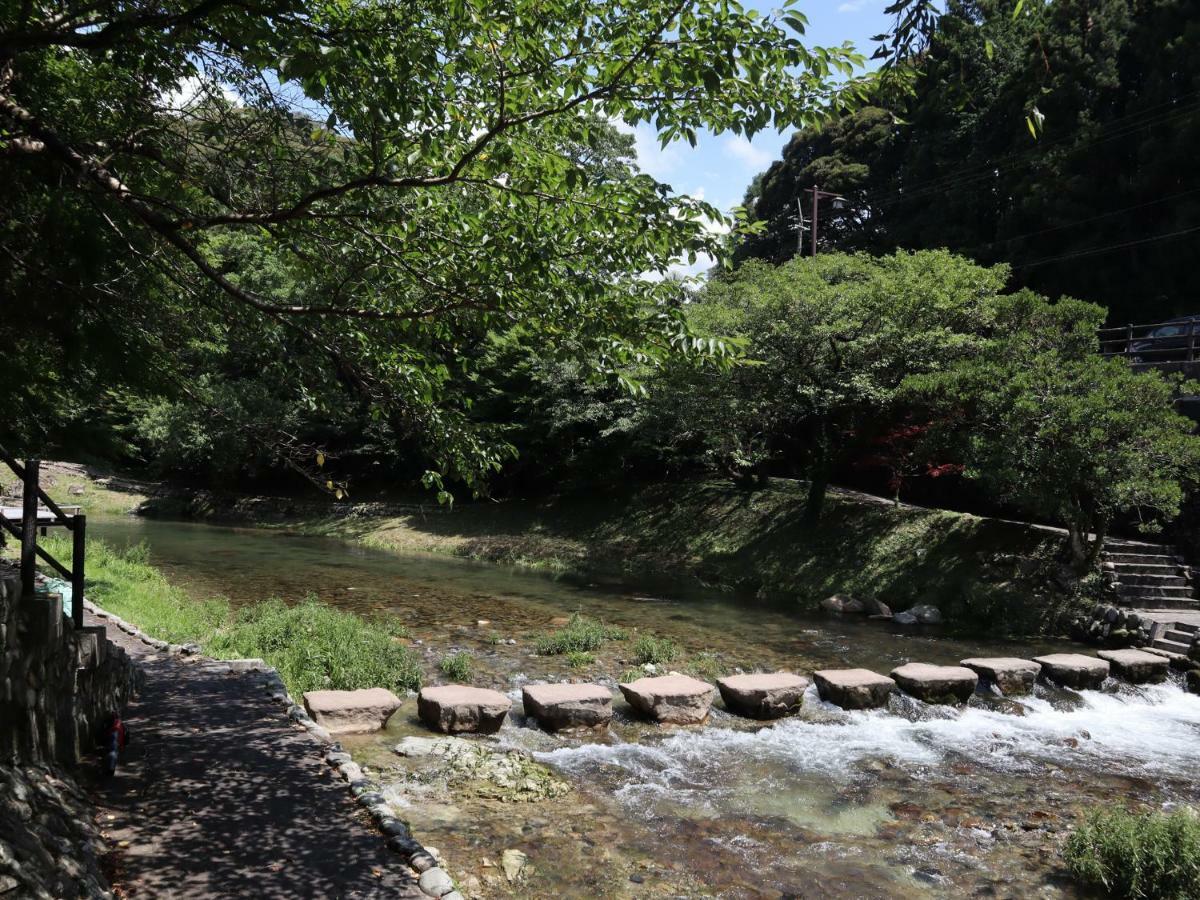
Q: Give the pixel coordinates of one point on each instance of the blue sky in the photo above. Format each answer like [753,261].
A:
[720,167]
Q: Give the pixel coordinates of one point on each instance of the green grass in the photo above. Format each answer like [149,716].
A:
[313,646]
[650,649]
[1145,856]
[579,635]
[580,659]
[457,667]
[706,666]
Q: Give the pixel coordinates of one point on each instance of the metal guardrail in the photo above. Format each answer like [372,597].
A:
[1154,343]
[39,511]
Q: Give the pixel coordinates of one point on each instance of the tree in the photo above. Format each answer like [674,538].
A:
[1055,429]
[412,168]
[834,338]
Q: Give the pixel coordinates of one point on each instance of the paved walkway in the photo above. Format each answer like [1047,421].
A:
[219,795]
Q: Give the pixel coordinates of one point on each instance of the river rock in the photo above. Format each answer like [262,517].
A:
[842,603]
[676,699]
[763,696]
[1073,670]
[457,708]
[435,882]
[853,688]
[1011,675]
[1137,666]
[513,863]
[351,712]
[924,614]
[936,684]
[558,706]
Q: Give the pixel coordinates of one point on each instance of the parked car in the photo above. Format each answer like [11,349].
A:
[1168,342]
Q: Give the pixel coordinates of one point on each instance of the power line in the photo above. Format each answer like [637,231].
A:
[1091,251]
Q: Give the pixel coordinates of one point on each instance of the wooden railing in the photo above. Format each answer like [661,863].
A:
[39,511]
[1157,343]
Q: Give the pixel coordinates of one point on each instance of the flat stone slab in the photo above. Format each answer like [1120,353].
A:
[559,706]
[765,696]
[351,712]
[458,708]
[675,699]
[1011,675]
[1137,666]
[1073,670]
[936,684]
[853,688]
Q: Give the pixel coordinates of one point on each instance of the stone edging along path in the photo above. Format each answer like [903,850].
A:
[432,880]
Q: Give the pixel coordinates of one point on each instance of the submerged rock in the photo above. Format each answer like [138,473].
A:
[1009,674]
[674,699]
[351,712]
[853,688]
[921,614]
[513,863]
[763,696]
[559,706]
[1073,670]
[936,684]
[458,708]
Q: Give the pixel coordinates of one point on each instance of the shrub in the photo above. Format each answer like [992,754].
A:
[580,634]
[580,659]
[650,649]
[457,666]
[315,646]
[1151,855]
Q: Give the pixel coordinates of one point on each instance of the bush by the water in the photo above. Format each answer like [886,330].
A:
[457,666]
[317,647]
[1153,855]
[650,649]
[312,645]
[580,635]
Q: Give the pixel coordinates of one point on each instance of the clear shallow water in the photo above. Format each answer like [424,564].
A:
[912,801]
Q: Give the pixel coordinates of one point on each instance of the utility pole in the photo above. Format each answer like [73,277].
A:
[817,195]
[799,226]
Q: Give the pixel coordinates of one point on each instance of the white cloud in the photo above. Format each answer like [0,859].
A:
[661,163]
[193,90]
[740,148]
[852,6]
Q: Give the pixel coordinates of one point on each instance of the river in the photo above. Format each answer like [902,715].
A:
[911,801]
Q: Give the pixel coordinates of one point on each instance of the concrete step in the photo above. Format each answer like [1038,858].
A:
[1150,590]
[1152,603]
[1187,627]
[1154,559]
[1171,646]
[1179,637]
[1153,580]
[1145,568]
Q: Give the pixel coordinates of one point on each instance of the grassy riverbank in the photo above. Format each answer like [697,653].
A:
[984,574]
[312,645]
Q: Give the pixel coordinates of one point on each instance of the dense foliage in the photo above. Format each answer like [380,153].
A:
[1099,201]
[1147,856]
[410,176]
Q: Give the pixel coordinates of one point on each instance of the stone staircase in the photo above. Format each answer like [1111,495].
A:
[1149,576]
[1174,637]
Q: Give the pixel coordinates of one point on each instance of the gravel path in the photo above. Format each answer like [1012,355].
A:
[219,795]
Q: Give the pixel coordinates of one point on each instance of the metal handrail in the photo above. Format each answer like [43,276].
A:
[1123,345]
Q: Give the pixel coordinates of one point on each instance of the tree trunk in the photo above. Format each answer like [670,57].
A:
[818,478]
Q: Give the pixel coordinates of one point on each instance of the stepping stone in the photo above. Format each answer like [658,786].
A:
[675,699]
[351,712]
[1073,670]
[559,706]
[1137,666]
[936,684]
[853,688]
[457,708]
[766,696]
[1011,675]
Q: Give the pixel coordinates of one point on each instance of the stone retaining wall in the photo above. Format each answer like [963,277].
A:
[58,686]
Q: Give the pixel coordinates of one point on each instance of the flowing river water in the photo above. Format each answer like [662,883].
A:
[910,801]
